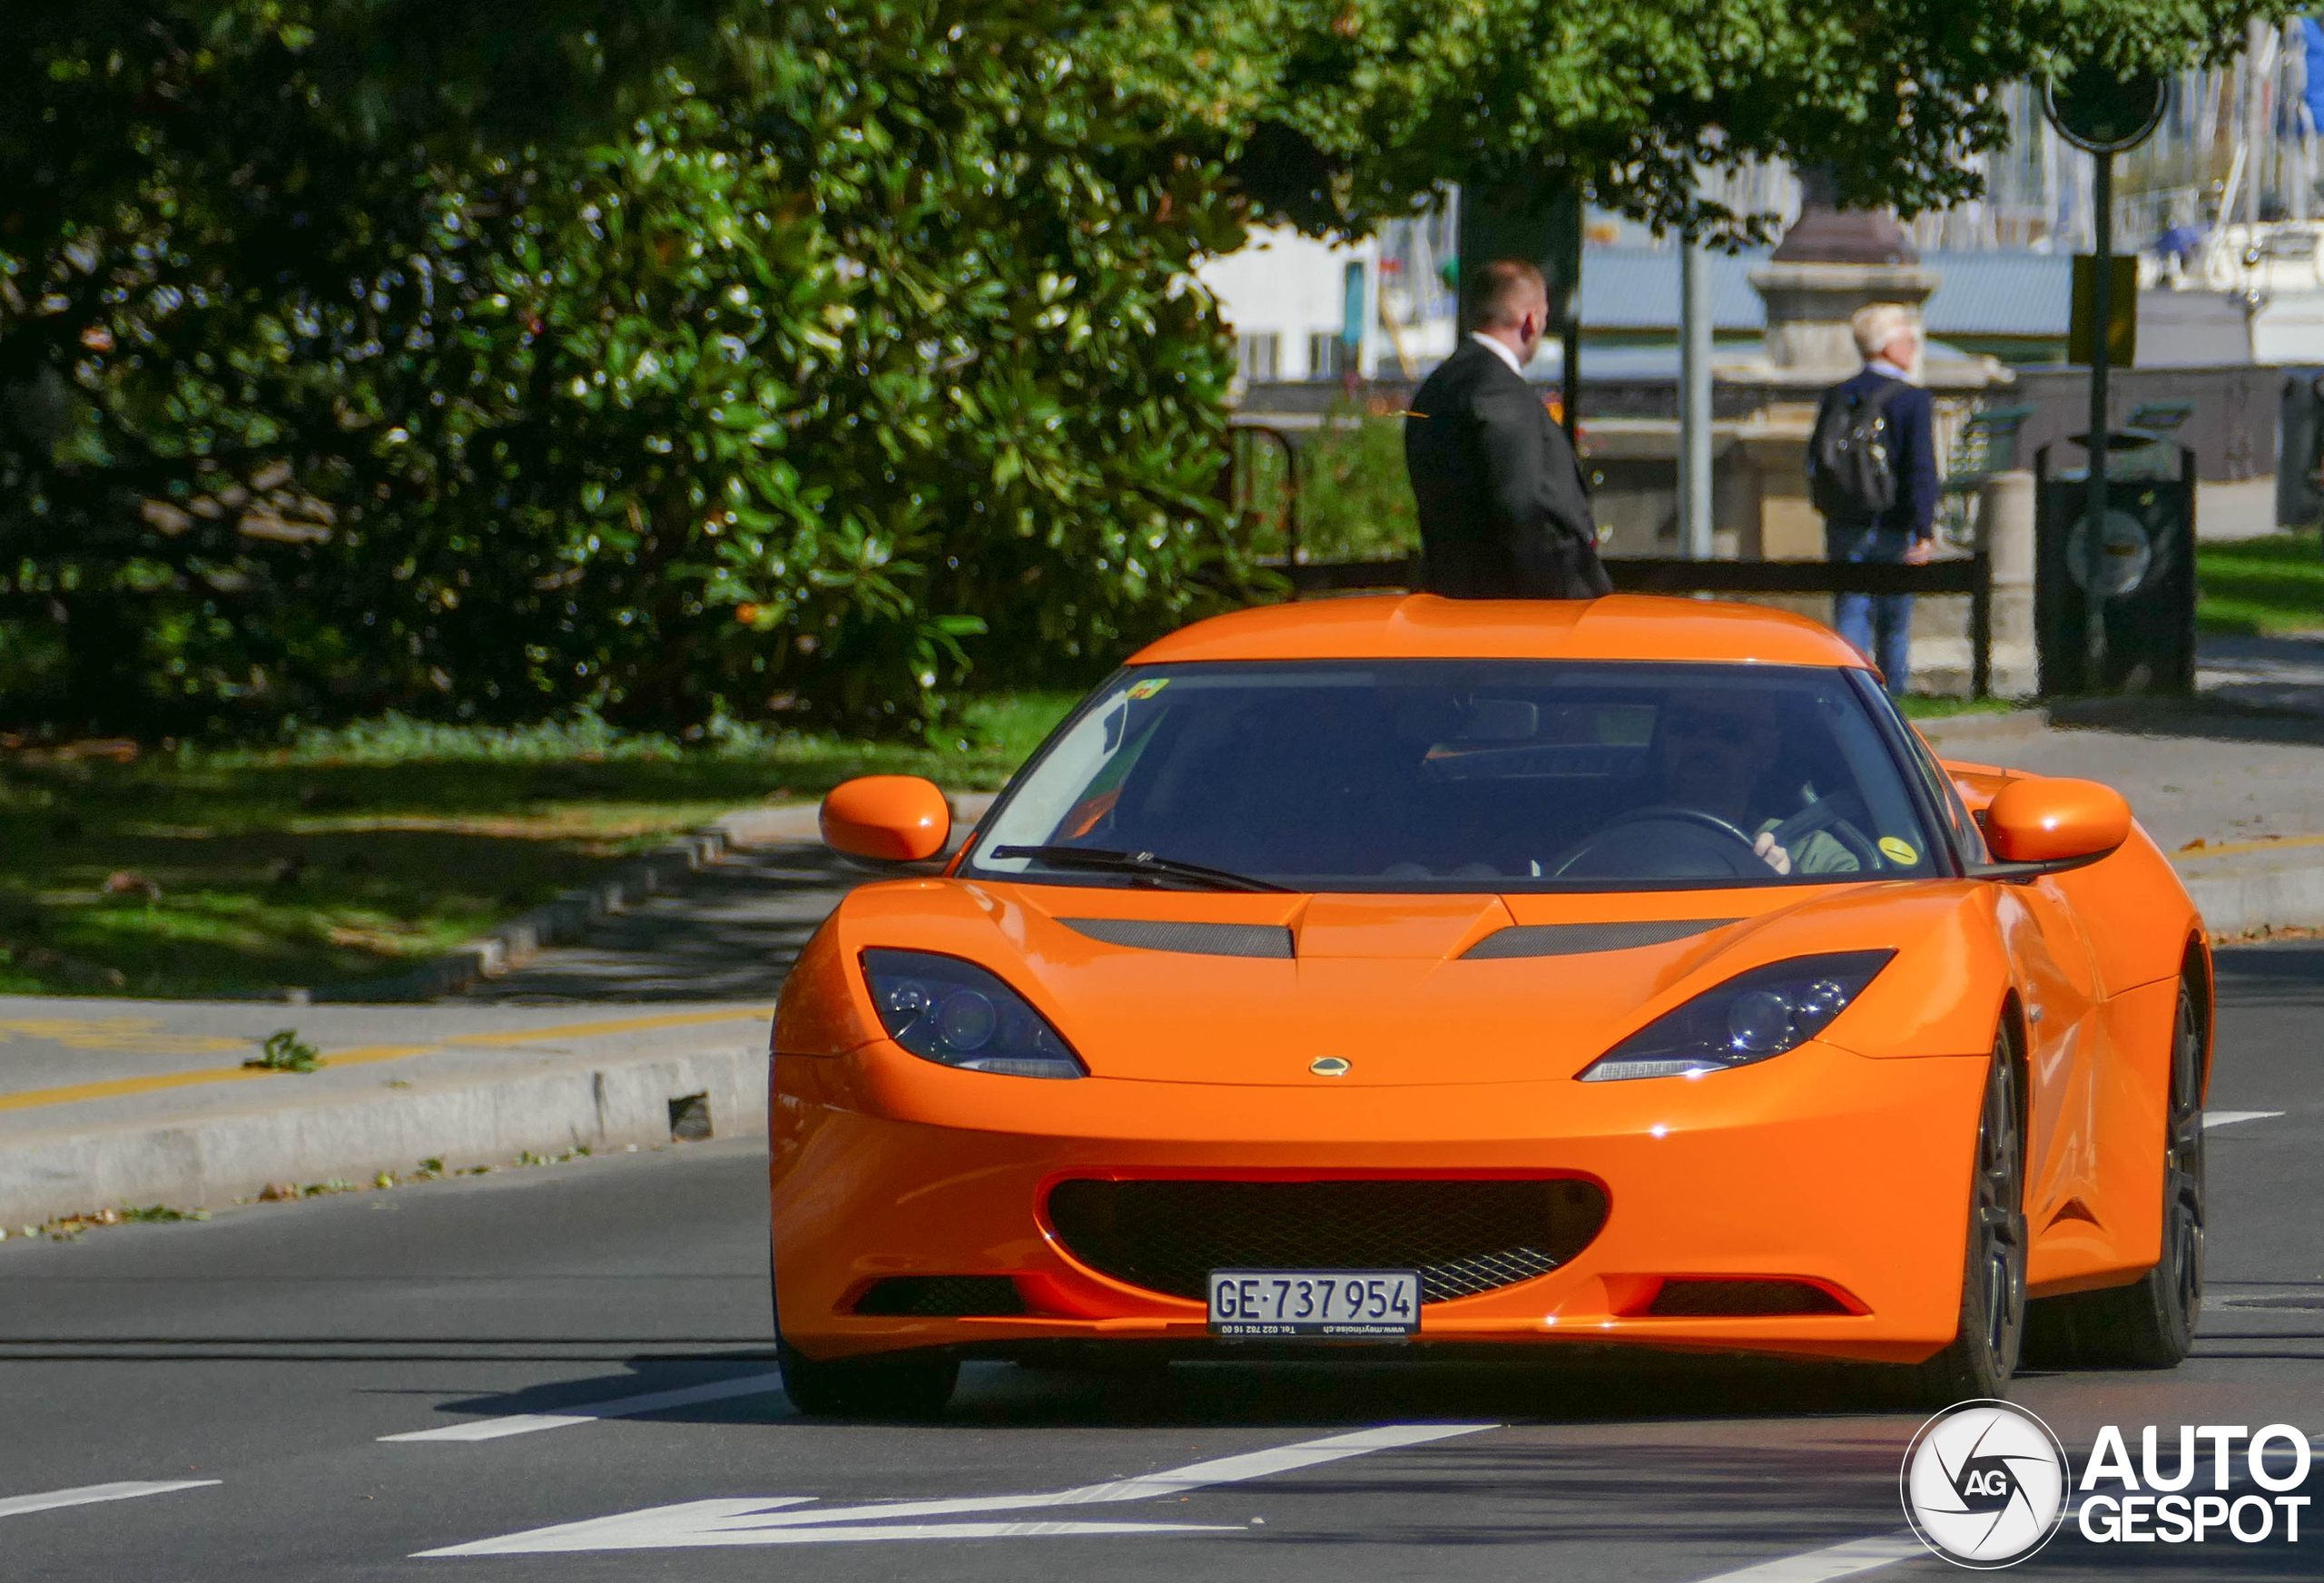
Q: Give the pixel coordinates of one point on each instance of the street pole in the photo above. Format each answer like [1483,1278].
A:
[1694,400]
[2256,38]
[2101,222]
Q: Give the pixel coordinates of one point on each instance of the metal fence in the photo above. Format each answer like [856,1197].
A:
[1970,575]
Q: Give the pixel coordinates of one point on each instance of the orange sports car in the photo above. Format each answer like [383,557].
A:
[1407,973]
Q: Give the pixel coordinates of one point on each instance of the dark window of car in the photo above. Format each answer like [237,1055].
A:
[1472,774]
[1944,796]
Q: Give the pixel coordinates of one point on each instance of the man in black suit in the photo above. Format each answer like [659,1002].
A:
[1503,513]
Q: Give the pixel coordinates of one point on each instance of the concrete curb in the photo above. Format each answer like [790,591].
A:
[570,915]
[2241,904]
[213,1160]
[552,923]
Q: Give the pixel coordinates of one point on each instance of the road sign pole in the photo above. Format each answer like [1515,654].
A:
[2094,606]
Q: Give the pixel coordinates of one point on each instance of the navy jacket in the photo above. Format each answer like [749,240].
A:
[1910,413]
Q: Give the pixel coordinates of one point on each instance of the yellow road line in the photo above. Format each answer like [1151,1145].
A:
[2223,849]
[363,1054]
[526,1035]
[33,1098]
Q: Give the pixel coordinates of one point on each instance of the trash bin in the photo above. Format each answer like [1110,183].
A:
[2300,449]
[2146,557]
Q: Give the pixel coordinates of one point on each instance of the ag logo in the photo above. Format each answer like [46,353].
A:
[1984,1484]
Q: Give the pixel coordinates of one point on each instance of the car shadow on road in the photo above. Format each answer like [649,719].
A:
[1593,1386]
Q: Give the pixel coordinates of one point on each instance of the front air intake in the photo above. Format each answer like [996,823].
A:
[1716,1299]
[941,1297]
[1464,1237]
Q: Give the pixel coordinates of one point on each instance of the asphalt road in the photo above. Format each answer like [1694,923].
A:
[256,1362]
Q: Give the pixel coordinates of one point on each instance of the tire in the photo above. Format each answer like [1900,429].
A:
[915,1386]
[2151,1323]
[1983,1355]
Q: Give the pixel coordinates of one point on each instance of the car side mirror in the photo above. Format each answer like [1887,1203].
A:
[889,818]
[2045,823]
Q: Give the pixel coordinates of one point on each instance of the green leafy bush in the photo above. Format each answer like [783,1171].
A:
[864,342]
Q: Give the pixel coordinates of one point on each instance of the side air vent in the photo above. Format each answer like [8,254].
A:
[1697,1299]
[1574,939]
[941,1297]
[1200,940]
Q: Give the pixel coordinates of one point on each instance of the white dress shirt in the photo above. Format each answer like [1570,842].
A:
[1500,348]
[1883,366]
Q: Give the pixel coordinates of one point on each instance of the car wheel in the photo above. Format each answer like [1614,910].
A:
[2151,1323]
[910,1387]
[1984,1354]
[917,1385]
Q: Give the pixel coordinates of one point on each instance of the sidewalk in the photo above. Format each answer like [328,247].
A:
[2229,784]
[111,1103]
[651,1027]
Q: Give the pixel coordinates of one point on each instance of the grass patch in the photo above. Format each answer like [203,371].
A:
[1935,706]
[360,853]
[2261,587]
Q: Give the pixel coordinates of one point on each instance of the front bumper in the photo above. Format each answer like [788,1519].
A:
[1822,1166]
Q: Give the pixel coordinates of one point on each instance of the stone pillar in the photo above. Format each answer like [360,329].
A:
[2005,521]
[1831,263]
[1809,306]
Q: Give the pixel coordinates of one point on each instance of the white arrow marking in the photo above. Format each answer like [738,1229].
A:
[2213,1118]
[747,1521]
[1836,1561]
[89,1494]
[493,1429]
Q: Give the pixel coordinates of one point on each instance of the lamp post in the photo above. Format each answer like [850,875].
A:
[2102,112]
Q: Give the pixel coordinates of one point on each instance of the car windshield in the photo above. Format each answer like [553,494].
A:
[1463,775]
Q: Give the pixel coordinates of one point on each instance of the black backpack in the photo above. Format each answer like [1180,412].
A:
[1851,457]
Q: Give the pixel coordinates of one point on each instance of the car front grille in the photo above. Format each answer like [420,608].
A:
[1464,1237]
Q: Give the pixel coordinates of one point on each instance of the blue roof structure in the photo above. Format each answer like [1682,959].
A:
[1978,293]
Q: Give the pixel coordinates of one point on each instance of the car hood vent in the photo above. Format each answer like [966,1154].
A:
[1574,939]
[1201,939]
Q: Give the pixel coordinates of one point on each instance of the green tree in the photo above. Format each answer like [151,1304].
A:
[854,330]
[1343,112]
[680,357]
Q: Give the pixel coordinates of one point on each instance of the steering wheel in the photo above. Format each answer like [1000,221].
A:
[1688,826]
[1829,814]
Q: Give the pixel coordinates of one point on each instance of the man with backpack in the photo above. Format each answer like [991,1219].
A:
[1872,472]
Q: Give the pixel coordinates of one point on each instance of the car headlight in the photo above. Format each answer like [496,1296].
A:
[1756,1015]
[957,1014]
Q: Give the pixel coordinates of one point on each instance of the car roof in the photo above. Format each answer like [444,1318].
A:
[1621,626]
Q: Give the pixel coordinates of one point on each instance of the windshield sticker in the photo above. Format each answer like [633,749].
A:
[1147,688]
[1897,851]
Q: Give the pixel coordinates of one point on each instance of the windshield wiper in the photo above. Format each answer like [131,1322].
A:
[1103,861]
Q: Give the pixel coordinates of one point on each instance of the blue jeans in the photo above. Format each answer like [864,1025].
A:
[1880,625]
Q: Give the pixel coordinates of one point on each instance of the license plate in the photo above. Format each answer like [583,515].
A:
[1314,1303]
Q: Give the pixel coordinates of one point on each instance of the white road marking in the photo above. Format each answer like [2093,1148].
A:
[493,1429]
[89,1494]
[758,1520]
[1836,1561]
[2213,1118]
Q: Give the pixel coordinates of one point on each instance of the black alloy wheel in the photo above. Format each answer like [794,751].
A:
[1984,1354]
[2151,1323]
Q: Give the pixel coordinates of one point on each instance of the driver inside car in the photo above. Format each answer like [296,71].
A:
[1717,747]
